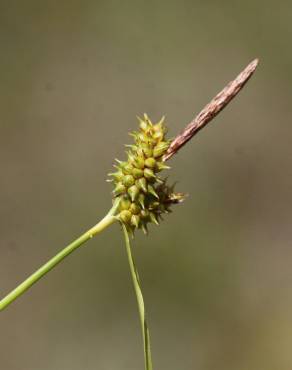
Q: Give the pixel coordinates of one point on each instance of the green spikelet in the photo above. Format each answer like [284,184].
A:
[144,196]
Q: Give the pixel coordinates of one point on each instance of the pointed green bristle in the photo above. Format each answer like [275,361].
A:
[153,218]
[144,228]
[161,166]
[141,200]
[149,174]
[152,191]
[133,191]
[135,220]
[142,184]
[119,189]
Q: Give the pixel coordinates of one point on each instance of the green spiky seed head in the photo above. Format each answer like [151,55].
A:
[144,197]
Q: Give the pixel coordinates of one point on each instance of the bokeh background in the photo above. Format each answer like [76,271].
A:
[217,275]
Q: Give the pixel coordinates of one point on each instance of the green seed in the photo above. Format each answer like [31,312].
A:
[141,200]
[150,162]
[160,149]
[125,216]
[151,142]
[146,150]
[142,137]
[133,191]
[139,162]
[149,174]
[135,209]
[142,184]
[135,220]
[143,125]
[125,204]
[128,169]
[119,189]
[158,135]
[131,157]
[144,213]
[139,152]
[117,175]
[153,218]
[128,180]
[152,191]
[137,173]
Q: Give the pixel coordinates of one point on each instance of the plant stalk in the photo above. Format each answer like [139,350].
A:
[140,301]
[37,275]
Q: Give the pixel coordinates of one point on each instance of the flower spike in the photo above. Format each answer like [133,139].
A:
[144,195]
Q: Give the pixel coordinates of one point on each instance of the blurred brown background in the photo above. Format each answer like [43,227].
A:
[217,274]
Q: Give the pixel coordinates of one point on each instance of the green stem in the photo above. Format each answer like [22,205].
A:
[37,275]
[140,301]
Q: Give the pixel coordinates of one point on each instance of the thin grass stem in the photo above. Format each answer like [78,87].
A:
[140,301]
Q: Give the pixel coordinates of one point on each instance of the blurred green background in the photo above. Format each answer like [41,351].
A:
[217,274]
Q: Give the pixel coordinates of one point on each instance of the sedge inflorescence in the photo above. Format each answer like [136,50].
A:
[144,196]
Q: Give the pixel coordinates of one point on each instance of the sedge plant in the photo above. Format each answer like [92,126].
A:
[141,194]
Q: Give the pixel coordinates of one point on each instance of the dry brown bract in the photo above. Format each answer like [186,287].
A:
[212,109]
